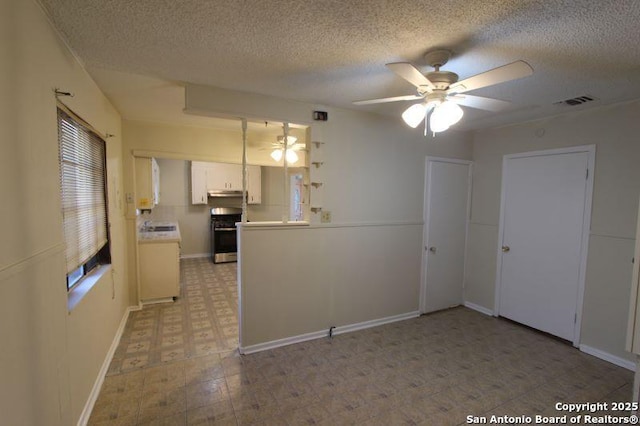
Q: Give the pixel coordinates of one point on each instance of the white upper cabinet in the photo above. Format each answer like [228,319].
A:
[224,177]
[198,182]
[254,185]
[147,183]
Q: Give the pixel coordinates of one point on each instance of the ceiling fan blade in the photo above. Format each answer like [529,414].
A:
[411,74]
[512,71]
[383,100]
[480,102]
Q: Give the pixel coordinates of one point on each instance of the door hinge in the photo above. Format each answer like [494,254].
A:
[575,318]
[587,177]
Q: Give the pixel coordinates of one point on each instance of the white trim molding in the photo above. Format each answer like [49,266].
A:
[374,323]
[245,350]
[194,256]
[479,308]
[9,270]
[97,385]
[620,362]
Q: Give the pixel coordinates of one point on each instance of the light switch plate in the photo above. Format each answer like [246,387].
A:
[325,217]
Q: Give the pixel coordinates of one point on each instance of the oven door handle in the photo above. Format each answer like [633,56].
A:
[224,229]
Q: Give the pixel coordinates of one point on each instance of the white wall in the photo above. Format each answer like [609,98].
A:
[50,357]
[303,279]
[615,131]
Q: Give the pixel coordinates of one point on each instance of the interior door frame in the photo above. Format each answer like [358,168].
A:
[426,221]
[586,226]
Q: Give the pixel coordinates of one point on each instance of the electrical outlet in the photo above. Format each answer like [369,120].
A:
[325,217]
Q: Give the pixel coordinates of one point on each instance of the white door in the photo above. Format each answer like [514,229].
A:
[541,252]
[447,185]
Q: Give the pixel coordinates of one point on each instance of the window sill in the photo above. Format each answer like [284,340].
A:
[78,292]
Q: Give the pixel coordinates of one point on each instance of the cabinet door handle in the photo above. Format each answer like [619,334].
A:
[505,249]
[432,250]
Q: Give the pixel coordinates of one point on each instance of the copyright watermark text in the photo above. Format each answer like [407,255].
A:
[587,413]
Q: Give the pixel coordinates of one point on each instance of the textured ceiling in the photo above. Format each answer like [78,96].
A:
[333,51]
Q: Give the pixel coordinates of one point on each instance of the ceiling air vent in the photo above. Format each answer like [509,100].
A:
[577,101]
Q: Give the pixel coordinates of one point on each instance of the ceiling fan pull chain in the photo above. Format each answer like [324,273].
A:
[426,123]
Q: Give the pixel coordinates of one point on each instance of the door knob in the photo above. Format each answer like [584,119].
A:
[432,250]
[505,249]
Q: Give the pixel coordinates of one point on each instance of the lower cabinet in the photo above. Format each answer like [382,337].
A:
[159,265]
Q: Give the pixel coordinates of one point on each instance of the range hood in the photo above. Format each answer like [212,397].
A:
[224,194]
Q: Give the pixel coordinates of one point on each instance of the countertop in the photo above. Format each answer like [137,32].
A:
[160,237]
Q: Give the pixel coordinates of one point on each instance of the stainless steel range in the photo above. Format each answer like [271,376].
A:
[224,245]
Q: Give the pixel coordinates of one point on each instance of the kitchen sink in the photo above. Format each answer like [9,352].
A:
[159,228]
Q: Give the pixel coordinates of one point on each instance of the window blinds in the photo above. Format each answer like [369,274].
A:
[82,175]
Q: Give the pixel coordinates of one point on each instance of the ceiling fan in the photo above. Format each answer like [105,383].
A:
[442,93]
[277,149]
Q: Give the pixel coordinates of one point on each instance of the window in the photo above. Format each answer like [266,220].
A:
[84,201]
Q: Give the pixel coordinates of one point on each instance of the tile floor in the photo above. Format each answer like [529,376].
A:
[432,370]
[202,321]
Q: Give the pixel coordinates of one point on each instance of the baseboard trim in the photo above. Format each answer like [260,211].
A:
[479,308]
[259,347]
[374,323]
[324,333]
[95,391]
[195,256]
[620,362]
[156,301]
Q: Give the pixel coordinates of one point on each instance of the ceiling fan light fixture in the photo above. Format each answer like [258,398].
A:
[434,87]
[445,115]
[291,156]
[452,110]
[276,154]
[290,140]
[414,115]
[437,123]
